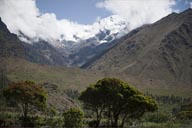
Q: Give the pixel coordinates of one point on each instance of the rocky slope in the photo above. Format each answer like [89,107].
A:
[85,45]
[41,52]
[10,45]
[159,54]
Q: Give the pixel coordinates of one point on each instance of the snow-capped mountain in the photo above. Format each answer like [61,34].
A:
[83,45]
[102,31]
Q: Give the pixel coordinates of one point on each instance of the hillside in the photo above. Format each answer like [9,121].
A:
[159,54]
[155,58]
[74,78]
[41,52]
[63,77]
[54,79]
[10,45]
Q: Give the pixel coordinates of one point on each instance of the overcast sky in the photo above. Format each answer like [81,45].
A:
[49,19]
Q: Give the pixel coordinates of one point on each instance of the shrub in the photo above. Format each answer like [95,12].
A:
[7,120]
[184,115]
[73,118]
[54,122]
[158,117]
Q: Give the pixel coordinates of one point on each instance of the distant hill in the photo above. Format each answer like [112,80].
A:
[64,77]
[75,79]
[159,54]
[54,79]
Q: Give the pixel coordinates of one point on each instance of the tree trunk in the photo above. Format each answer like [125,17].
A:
[25,110]
[115,121]
[123,120]
[98,117]
[122,123]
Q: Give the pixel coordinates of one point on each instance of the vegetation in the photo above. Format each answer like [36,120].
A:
[109,102]
[73,118]
[170,99]
[74,94]
[117,100]
[185,112]
[26,94]
[73,78]
[158,117]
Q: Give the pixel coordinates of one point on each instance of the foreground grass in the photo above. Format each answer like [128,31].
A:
[57,121]
[163,125]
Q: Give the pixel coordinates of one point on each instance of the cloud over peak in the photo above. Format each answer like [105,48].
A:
[23,17]
[138,12]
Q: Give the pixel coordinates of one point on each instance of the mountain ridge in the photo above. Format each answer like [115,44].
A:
[78,52]
[153,53]
[10,44]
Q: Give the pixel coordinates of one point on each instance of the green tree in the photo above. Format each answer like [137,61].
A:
[91,97]
[26,94]
[73,118]
[118,99]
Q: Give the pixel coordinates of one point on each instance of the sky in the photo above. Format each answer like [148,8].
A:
[86,11]
[52,19]
[83,11]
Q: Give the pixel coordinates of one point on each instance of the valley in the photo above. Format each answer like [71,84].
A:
[100,74]
[146,58]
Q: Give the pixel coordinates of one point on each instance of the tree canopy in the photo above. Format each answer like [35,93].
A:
[116,99]
[26,94]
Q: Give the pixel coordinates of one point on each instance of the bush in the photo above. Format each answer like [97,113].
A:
[159,117]
[32,121]
[73,118]
[55,122]
[7,123]
[7,120]
[93,123]
[27,122]
[184,115]
[51,111]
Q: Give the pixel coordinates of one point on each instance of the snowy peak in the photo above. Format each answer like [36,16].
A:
[111,26]
[102,31]
[113,23]
[108,28]
[72,44]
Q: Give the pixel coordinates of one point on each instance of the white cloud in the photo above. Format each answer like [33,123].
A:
[138,12]
[190,4]
[24,16]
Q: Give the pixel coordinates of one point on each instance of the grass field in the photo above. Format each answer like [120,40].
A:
[78,79]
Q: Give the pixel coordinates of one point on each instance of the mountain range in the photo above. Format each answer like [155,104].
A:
[96,39]
[155,54]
